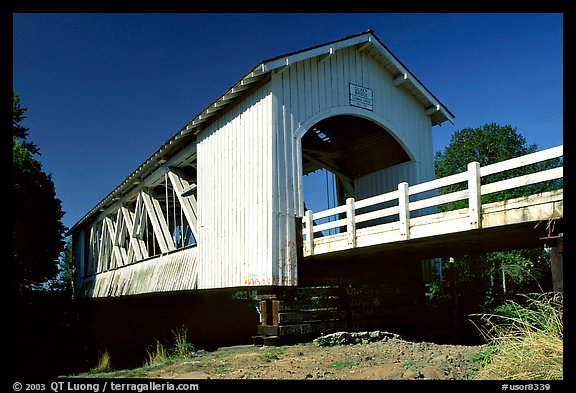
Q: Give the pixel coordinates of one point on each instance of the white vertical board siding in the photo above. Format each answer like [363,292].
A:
[386,180]
[234,196]
[311,90]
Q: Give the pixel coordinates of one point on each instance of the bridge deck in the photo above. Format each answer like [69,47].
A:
[407,218]
[513,224]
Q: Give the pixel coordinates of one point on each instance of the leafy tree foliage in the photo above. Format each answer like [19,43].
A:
[64,279]
[19,131]
[484,279]
[489,144]
[37,229]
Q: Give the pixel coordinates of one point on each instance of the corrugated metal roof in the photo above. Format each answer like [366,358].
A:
[261,72]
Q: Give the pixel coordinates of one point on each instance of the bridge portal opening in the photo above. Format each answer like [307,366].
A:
[340,149]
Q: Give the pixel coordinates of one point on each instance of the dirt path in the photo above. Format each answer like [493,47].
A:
[382,357]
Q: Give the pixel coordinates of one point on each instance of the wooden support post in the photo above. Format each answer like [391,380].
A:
[268,328]
[275,307]
[404,211]
[351,222]
[474,197]
[309,221]
[264,313]
[557,265]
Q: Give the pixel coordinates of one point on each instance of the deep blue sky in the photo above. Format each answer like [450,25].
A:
[105,91]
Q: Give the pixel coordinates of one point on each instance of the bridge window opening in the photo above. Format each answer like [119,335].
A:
[178,226]
[94,251]
[175,226]
[150,223]
[149,238]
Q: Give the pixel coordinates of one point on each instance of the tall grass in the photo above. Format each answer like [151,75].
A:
[104,363]
[181,349]
[527,339]
[157,355]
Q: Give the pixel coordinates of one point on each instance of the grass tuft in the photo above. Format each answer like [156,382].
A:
[272,355]
[342,364]
[157,355]
[181,349]
[104,363]
[527,339]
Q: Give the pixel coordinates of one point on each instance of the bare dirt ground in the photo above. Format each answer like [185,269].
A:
[384,357]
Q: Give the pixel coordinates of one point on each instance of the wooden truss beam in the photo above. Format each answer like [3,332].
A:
[159,226]
[189,204]
[136,246]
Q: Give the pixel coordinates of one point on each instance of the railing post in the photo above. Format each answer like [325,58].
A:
[308,220]
[474,197]
[351,222]
[404,211]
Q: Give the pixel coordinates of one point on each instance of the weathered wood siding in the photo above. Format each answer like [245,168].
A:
[311,90]
[234,188]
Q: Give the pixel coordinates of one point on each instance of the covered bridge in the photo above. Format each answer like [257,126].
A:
[218,204]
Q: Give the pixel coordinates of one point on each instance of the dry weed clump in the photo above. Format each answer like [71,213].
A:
[527,340]
[104,363]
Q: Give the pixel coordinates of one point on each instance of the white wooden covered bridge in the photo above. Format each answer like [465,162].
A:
[215,206]
[220,204]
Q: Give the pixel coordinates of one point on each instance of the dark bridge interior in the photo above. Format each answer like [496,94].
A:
[350,146]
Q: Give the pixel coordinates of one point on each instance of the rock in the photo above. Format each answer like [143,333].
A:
[348,338]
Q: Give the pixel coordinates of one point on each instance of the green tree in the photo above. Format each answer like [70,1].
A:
[485,278]
[64,280]
[487,145]
[37,229]
[19,131]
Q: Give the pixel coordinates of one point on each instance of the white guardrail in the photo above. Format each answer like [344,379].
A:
[345,216]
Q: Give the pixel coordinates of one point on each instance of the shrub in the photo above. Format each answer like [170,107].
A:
[182,347]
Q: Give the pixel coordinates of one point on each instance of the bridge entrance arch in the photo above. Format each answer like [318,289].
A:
[344,147]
